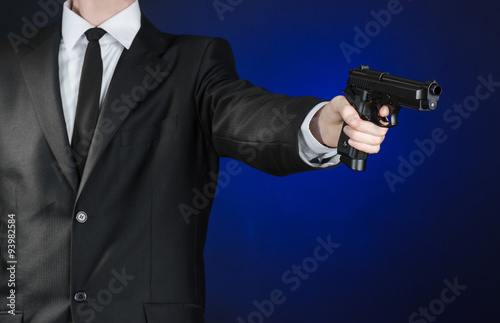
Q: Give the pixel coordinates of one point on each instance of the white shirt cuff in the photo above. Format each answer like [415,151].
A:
[311,150]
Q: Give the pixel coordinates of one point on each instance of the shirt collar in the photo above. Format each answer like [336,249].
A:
[123,26]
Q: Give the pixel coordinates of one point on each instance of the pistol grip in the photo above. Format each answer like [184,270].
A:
[353,158]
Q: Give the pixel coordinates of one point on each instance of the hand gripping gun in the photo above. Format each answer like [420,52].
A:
[368,90]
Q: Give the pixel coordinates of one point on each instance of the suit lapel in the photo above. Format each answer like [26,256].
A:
[39,63]
[139,72]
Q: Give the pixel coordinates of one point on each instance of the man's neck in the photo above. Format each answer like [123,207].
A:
[98,11]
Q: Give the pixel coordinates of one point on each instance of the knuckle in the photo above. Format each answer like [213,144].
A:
[357,136]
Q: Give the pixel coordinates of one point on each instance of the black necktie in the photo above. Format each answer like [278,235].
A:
[87,107]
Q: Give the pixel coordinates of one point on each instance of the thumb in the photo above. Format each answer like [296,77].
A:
[342,111]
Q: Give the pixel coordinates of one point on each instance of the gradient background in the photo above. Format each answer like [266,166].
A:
[396,246]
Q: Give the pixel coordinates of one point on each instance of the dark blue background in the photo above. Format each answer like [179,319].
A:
[397,245]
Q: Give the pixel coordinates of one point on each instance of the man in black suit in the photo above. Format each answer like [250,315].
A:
[121,239]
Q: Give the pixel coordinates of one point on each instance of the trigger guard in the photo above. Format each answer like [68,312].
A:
[383,122]
[375,118]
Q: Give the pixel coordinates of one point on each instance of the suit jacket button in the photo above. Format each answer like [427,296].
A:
[80,297]
[81,217]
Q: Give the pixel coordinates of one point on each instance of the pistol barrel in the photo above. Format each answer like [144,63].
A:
[394,90]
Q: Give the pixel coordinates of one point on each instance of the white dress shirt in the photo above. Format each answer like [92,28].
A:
[121,30]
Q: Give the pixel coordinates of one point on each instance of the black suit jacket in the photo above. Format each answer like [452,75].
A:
[174,106]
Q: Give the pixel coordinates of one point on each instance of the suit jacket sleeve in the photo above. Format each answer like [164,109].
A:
[247,122]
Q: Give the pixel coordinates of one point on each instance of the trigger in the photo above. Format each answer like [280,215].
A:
[383,121]
[386,122]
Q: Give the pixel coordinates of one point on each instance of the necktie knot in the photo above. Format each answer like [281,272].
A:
[95,34]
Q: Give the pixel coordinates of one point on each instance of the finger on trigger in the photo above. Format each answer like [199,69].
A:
[384,111]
